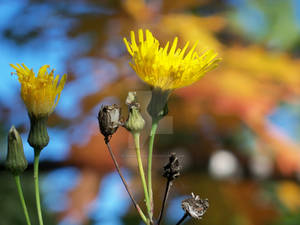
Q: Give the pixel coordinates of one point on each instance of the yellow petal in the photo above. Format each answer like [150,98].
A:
[43,71]
[167,70]
[40,93]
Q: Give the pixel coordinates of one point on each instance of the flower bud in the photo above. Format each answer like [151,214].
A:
[38,135]
[16,162]
[158,107]
[109,120]
[135,122]
[195,206]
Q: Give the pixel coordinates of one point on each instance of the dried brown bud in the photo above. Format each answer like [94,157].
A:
[109,120]
[172,169]
[195,206]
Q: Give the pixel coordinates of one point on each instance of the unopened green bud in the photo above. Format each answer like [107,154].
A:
[16,162]
[38,135]
[158,107]
[135,122]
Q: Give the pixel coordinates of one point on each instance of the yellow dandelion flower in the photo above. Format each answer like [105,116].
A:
[165,68]
[40,93]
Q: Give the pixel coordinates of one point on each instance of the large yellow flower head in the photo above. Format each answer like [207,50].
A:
[40,93]
[166,68]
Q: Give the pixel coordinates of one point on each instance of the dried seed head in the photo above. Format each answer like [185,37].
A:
[109,120]
[195,206]
[172,169]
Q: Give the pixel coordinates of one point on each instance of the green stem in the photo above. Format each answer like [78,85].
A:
[18,182]
[136,205]
[136,137]
[36,185]
[151,141]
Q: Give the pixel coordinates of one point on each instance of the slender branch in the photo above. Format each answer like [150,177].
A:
[151,142]
[18,182]
[167,190]
[136,205]
[36,185]
[182,219]
[136,137]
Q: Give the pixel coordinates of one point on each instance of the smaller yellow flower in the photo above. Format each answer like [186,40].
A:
[165,68]
[40,93]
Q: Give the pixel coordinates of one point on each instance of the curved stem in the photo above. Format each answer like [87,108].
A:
[182,219]
[36,185]
[18,182]
[125,183]
[136,137]
[151,142]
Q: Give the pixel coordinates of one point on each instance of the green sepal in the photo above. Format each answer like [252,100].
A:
[158,107]
[38,135]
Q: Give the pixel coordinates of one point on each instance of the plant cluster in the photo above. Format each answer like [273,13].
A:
[164,69]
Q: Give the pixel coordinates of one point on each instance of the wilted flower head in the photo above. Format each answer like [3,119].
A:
[109,120]
[195,206]
[166,68]
[40,93]
[172,169]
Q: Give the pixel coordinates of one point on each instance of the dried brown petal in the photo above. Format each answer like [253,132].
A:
[172,169]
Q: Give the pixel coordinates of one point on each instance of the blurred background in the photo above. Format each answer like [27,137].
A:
[236,131]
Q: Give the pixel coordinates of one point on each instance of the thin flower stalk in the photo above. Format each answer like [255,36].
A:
[182,219]
[150,152]
[167,191]
[36,186]
[136,137]
[136,205]
[19,187]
